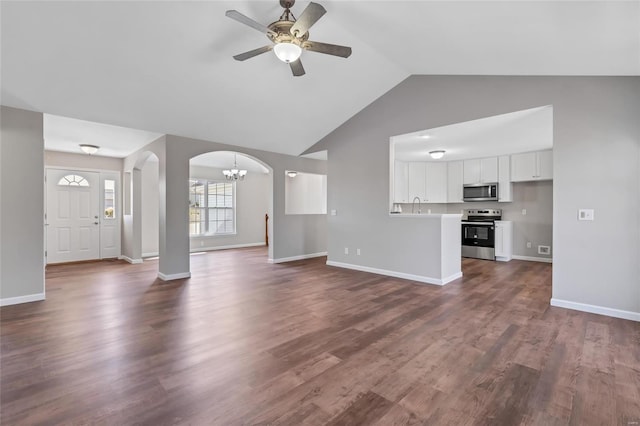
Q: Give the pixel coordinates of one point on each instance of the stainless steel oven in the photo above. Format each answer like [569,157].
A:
[478,233]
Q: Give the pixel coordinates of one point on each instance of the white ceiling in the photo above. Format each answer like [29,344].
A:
[66,134]
[520,131]
[167,67]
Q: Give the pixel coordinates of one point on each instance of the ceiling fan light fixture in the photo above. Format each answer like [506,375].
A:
[292,173]
[287,52]
[89,149]
[436,155]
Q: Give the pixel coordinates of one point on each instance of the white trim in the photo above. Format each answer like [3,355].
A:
[170,277]
[233,246]
[22,299]
[600,310]
[301,257]
[130,260]
[419,278]
[533,258]
[152,254]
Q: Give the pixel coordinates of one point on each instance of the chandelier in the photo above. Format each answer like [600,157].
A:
[234,173]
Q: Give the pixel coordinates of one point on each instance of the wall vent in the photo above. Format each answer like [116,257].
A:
[544,250]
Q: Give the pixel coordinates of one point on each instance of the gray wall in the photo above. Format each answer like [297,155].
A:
[596,165]
[81,161]
[150,205]
[22,204]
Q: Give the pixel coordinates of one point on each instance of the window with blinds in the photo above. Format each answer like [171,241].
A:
[211,207]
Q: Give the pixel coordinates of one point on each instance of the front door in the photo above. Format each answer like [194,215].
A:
[73,216]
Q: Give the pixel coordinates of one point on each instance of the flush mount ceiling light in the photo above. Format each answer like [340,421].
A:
[89,149]
[234,173]
[436,155]
[292,174]
[425,136]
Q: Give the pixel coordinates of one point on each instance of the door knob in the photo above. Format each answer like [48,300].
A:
[95,223]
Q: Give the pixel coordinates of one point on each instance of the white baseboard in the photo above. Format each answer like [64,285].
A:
[151,254]
[22,299]
[171,277]
[234,246]
[533,258]
[419,278]
[301,257]
[130,260]
[600,310]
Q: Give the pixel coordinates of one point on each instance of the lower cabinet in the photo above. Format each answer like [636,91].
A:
[504,240]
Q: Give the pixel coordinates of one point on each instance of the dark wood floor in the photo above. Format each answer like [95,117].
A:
[246,342]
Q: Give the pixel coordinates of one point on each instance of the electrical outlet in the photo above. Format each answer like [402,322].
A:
[428,211]
[358,252]
[524,212]
[201,243]
[528,244]
[585,214]
[334,212]
[544,250]
[346,250]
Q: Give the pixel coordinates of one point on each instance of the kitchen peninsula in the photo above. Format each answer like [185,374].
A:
[429,247]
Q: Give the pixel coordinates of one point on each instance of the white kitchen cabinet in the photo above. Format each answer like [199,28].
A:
[455,181]
[545,165]
[505,187]
[400,182]
[504,240]
[530,166]
[417,181]
[436,182]
[481,170]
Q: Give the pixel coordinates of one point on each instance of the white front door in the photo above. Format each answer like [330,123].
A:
[73,216]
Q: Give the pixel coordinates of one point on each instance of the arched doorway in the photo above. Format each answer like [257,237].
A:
[228,213]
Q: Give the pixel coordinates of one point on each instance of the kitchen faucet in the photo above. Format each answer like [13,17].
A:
[413,204]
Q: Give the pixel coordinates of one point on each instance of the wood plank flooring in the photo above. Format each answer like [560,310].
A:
[244,342]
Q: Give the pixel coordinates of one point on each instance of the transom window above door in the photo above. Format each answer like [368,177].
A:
[73,180]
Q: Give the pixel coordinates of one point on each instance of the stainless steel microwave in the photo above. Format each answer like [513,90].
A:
[480,192]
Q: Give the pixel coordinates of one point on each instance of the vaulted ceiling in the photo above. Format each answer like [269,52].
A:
[167,67]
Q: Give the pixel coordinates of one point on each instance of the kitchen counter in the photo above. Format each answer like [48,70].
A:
[428,215]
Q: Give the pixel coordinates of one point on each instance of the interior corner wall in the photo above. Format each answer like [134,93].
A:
[21,217]
[596,165]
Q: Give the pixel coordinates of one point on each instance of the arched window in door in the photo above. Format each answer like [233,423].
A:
[73,180]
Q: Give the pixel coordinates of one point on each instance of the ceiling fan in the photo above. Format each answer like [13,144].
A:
[290,36]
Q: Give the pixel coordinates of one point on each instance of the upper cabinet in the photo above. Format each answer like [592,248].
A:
[532,166]
[400,182]
[428,182]
[484,170]
[505,187]
[417,181]
[454,181]
[436,182]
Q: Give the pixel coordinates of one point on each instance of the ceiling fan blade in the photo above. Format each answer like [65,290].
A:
[296,68]
[329,49]
[307,18]
[243,19]
[250,54]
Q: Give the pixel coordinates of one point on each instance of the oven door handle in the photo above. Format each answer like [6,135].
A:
[478,223]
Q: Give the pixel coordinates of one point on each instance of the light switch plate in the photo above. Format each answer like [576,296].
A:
[524,212]
[585,214]
[334,212]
